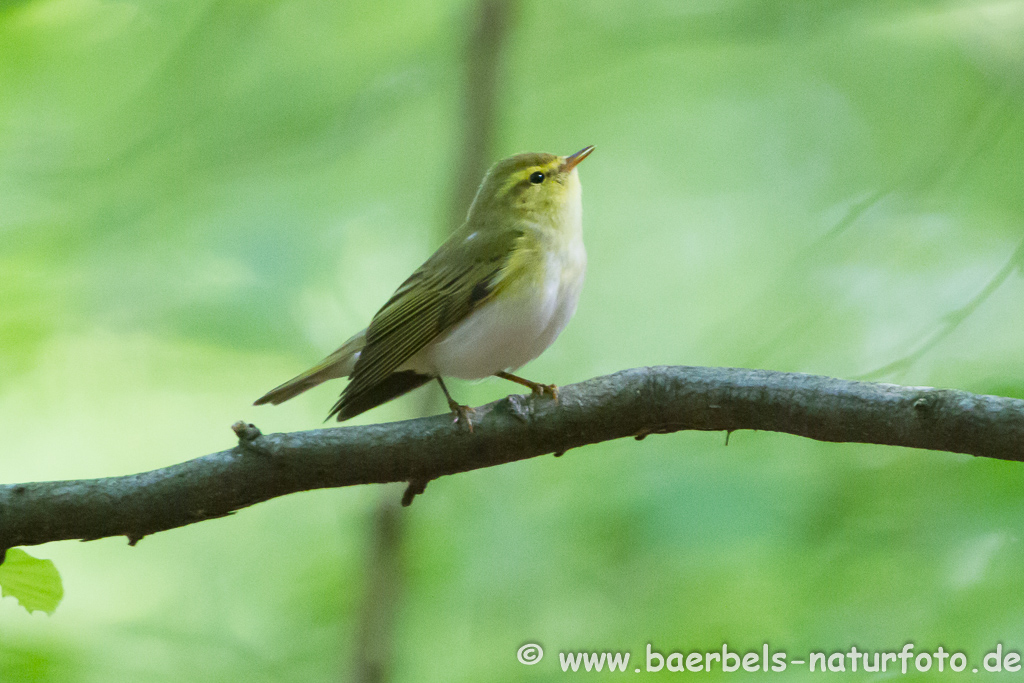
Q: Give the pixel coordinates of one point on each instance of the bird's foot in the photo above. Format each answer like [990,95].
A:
[462,414]
[460,411]
[537,388]
[542,389]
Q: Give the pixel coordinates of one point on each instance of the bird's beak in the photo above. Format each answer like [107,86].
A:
[573,159]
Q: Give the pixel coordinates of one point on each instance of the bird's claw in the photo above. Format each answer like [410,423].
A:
[462,414]
[549,389]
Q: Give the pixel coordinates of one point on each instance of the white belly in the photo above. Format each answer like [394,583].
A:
[515,327]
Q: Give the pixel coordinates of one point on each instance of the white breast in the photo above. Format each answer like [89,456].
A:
[516,326]
[512,330]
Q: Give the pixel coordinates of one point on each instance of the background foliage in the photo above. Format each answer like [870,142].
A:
[199,199]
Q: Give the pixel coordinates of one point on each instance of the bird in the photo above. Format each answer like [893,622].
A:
[493,297]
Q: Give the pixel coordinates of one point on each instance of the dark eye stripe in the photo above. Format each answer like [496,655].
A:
[520,186]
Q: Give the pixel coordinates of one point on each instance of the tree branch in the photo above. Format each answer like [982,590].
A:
[633,402]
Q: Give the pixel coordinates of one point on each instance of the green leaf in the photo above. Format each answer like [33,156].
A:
[34,583]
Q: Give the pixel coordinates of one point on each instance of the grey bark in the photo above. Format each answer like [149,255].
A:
[636,402]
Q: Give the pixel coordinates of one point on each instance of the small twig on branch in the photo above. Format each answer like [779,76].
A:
[635,402]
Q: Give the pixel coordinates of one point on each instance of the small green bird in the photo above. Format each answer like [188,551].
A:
[489,300]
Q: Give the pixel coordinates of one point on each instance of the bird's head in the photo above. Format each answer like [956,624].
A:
[533,186]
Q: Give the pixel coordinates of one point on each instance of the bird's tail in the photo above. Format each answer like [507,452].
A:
[393,386]
[338,364]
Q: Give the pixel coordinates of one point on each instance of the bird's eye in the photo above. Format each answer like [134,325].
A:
[536,178]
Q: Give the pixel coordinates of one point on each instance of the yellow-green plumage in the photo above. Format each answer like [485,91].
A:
[490,299]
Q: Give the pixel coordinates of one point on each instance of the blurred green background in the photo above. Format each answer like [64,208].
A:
[200,199]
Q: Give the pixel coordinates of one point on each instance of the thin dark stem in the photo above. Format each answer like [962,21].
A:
[490,31]
[382,591]
[487,33]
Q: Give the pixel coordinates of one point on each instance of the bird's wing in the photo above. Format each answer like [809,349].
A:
[443,291]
